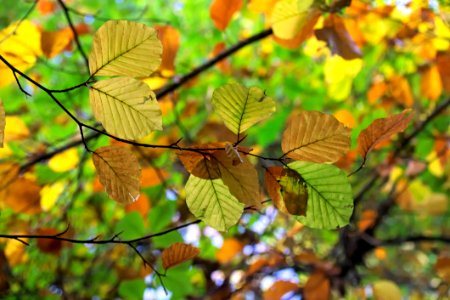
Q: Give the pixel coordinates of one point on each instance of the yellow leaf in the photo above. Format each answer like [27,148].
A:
[2,124]
[119,172]
[339,75]
[64,161]
[15,129]
[125,48]
[15,251]
[222,11]
[50,194]
[262,6]
[126,107]
[20,44]
[386,290]
[290,16]
[178,253]
[434,165]
[316,137]
[155,82]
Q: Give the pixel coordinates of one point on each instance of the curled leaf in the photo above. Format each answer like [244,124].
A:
[119,172]
[178,253]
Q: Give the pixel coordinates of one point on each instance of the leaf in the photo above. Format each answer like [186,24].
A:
[442,267]
[126,107]
[380,130]
[316,137]
[222,11]
[64,161]
[279,288]
[212,202]
[178,253]
[294,193]
[49,246]
[125,48]
[170,40]
[271,181]
[231,247]
[317,287]
[241,107]
[430,83]
[15,129]
[141,205]
[23,196]
[302,35]
[119,172]
[50,194]
[201,165]
[337,38]
[153,176]
[339,75]
[289,17]
[330,199]
[386,290]
[2,123]
[54,42]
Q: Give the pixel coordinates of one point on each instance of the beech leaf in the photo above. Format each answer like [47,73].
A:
[119,172]
[330,199]
[178,253]
[380,130]
[126,107]
[294,194]
[125,48]
[222,11]
[211,201]
[2,124]
[317,286]
[241,107]
[289,17]
[279,288]
[316,137]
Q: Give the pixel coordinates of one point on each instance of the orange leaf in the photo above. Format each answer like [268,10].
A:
[443,64]
[337,38]
[430,83]
[178,253]
[23,196]
[54,42]
[380,130]
[400,90]
[317,287]
[442,268]
[201,165]
[141,205]
[222,11]
[151,177]
[46,7]
[230,248]
[367,219]
[279,289]
[224,64]
[170,39]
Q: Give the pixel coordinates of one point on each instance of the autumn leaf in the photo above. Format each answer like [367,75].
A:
[211,201]
[201,164]
[222,11]
[386,290]
[317,287]
[2,123]
[289,17]
[241,107]
[126,107]
[23,196]
[230,249]
[330,199]
[54,42]
[316,137]
[119,172]
[301,36]
[442,267]
[178,253]
[337,38]
[49,246]
[141,205]
[50,194]
[125,48]
[279,288]
[153,176]
[380,130]
[430,84]
[294,193]
[64,161]
[339,75]
[272,177]
[170,40]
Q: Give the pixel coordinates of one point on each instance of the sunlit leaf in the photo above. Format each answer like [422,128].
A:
[2,124]
[201,165]
[119,172]
[54,42]
[380,130]
[50,194]
[386,290]
[170,39]
[153,176]
[23,196]
[126,107]
[316,137]
[279,288]
[211,201]
[339,75]
[64,161]
[178,253]
[330,199]
[290,16]
[15,129]
[294,193]
[317,287]
[301,36]
[222,11]
[46,7]
[230,249]
[141,205]
[241,107]
[431,84]
[125,48]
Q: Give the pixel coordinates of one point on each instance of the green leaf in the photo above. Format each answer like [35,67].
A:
[211,201]
[126,107]
[131,226]
[241,107]
[132,289]
[330,198]
[125,48]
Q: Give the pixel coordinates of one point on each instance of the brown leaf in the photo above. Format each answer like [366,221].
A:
[54,42]
[2,123]
[23,196]
[430,83]
[271,178]
[178,253]
[315,137]
[380,130]
[119,172]
[48,245]
[367,220]
[337,38]
[201,165]
[443,64]
[279,289]
[294,192]
[442,268]
[317,287]
[222,11]
[170,39]
[230,248]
